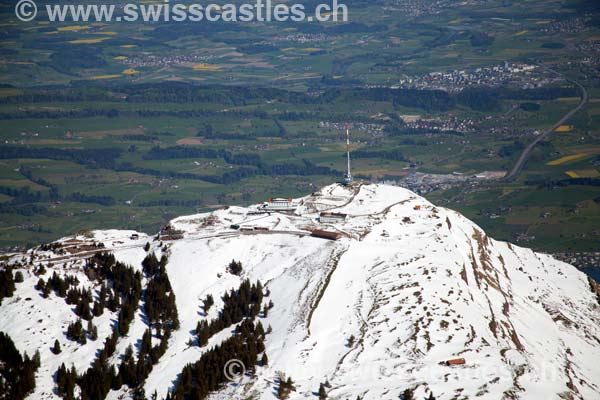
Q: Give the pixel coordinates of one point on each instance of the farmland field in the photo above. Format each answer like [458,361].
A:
[128,125]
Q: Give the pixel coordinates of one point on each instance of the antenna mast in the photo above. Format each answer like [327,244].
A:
[349,173]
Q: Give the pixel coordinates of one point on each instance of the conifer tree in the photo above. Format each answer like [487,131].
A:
[260,346]
[82,337]
[208,303]
[56,348]
[46,291]
[235,267]
[74,330]
[37,361]
[285,387]
[260,331]
[92,330]
[408,395]
[322,392]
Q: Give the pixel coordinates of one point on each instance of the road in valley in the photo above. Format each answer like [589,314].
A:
[518,167]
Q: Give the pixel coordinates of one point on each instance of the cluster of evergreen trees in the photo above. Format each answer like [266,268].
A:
[159,303]
[206,375]
[244,302]
[162,315]
[207,303]
[65,382]
[395,155]
[554,183]
[58,284]
[7,283]
[235,267]
[126,284]
[101,158]
[27,210]
[55,114]
[483,98]
[92,199]
[133,373]
[28,173]
[100,378]
[76,332]
[247,343]
[408,394]
[17,376]
[21,195]
[97,381]
[25,195]
[430,100]
[307,168]
[168,153]
[160,308]
[285,388]
[82,298]
[138,112]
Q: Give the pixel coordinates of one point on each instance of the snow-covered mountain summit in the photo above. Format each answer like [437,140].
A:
[406,288]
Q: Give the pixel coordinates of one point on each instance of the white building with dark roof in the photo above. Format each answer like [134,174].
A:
[332,218]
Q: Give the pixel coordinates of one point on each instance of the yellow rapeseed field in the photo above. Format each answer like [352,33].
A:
[566,159]
[572,174]
[564,128]
[72,28]
[87,41]
[99,77]
[584,173]
[206,67]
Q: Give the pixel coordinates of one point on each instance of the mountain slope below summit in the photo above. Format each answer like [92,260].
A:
[407,287]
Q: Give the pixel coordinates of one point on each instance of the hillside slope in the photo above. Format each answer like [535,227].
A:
[406,288]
